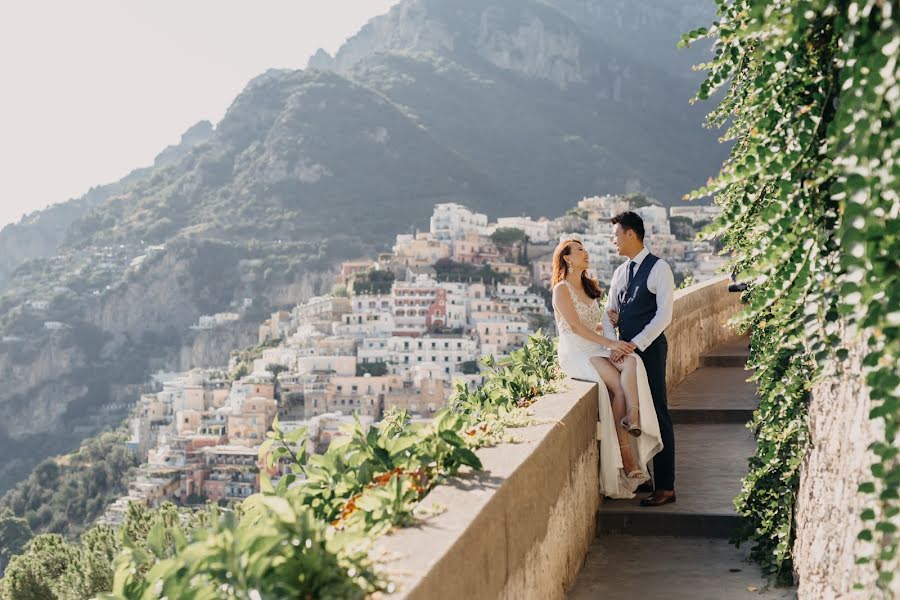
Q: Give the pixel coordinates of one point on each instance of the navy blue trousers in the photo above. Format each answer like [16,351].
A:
[654,358]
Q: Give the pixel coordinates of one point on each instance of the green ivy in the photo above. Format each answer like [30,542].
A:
[810,211]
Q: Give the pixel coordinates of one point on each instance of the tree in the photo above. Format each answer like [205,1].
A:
[14,534]
[375,369]
[374,282]
[508,236]
[36,574]
[682,228]
[470,367]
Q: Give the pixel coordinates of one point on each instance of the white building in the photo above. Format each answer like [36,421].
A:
[521,299]
[362,325]
[372,303]
[538,232]
[447,353]
[656,219]
[453,221]
[498,335]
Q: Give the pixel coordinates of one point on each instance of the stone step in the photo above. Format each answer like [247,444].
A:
[623,566]
[733,353]
[723,360]
[710,462]
[714,395]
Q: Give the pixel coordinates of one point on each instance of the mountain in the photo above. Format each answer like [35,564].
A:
[509,106]
[553,100]
[41,233]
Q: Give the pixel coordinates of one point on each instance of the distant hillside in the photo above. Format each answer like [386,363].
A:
[509,106]
[41,233]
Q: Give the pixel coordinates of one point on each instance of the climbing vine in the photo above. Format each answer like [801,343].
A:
[810,211]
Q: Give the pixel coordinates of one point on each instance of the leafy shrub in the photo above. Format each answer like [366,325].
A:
[308,533]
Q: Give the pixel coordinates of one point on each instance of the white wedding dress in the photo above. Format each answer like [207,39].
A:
[575,354]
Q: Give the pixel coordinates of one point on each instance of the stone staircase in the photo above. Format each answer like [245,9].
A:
[681,550]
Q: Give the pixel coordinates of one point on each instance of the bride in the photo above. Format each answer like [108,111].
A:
[626,406]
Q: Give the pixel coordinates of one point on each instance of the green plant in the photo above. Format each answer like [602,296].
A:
[307,534]
[810,210]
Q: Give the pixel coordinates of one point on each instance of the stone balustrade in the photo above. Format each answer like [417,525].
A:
[521,527]
[699,323]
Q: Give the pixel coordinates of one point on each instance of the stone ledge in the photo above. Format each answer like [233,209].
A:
[699,323]
[519,529]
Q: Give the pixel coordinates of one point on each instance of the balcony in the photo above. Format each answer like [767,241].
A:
[533,524]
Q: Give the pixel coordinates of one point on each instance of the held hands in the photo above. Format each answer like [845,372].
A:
[620,350]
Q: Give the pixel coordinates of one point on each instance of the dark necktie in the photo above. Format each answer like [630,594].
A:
[623,293]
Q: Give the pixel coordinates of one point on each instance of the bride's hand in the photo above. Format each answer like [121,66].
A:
[622,347]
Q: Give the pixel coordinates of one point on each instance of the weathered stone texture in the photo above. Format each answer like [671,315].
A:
[699,323]
[519,529]
[828,503]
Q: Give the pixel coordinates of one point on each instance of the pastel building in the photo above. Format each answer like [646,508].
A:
[419,305]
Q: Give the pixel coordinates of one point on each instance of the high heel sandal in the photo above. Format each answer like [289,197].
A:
[634,473]
[634,430]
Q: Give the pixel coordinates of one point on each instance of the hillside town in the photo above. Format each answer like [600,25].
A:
[396,332]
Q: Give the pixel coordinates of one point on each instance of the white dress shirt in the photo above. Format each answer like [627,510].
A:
[660,282]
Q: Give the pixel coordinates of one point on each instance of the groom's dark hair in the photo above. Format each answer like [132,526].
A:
[630,220]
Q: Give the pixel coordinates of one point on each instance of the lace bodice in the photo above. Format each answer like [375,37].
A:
[589,313]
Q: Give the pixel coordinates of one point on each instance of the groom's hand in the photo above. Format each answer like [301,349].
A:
[621,349]
[613,315]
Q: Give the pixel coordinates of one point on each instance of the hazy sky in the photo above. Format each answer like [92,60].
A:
[94,88]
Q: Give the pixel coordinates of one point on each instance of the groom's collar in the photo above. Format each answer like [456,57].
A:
[640,256]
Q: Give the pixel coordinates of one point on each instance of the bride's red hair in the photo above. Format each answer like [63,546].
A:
[590,285]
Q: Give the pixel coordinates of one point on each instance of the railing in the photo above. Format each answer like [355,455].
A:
[521,527]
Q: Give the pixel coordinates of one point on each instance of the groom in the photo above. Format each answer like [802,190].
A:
[640,303]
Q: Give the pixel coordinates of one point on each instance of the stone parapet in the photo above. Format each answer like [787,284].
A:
[699,323]
[521,528]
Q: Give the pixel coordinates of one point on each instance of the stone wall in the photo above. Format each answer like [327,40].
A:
[828,503]
[519,529]
[699,323]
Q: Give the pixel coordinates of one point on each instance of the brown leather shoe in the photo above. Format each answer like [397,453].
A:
[659,498]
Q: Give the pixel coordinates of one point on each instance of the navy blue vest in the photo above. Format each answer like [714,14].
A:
[637,304]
